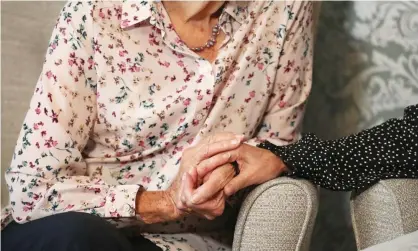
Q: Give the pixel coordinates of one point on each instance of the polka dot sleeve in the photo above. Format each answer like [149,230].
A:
[358,161]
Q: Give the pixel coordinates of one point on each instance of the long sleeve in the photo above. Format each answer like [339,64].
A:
[358,161]
[284,113]
[48,174]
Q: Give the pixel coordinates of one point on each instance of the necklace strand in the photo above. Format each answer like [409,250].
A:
[211,41]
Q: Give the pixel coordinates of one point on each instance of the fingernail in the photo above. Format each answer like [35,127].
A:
[194,199]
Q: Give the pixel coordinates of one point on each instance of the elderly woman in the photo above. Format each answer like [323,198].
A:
[135,94]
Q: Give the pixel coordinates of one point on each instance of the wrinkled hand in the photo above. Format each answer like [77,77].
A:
[214,205]
[256,167]
[210,151]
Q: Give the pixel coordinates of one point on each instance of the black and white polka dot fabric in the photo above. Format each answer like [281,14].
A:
[358,161]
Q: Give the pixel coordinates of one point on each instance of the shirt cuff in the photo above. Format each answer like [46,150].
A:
[120,201]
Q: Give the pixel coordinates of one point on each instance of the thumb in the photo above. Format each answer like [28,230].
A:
[236,184]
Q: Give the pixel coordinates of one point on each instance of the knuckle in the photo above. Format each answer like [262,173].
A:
[218,212]
[227,156]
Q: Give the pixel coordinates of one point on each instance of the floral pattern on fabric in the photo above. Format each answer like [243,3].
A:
[120,97]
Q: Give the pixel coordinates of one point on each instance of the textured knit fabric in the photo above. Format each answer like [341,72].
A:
[358,161]
[121,96]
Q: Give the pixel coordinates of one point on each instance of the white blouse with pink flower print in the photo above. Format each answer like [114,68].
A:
[120,97]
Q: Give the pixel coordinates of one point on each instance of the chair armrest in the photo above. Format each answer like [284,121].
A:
[277,215]
[385,211]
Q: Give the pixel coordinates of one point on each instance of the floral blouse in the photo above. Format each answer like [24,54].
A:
[121,96]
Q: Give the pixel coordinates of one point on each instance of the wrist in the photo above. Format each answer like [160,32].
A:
[155,207]
[280,166]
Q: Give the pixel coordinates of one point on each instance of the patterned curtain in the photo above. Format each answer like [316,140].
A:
[365,72]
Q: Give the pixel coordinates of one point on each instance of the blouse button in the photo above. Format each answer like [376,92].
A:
[199,116]
[126,208]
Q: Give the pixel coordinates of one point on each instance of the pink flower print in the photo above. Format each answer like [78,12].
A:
[289,66]
[134,68]
[49,74]
[165,63]
[54,45]
[199,80]
[199,97]
[43,133]
[28,206]
[125,23]
[115,214]
[101,14]
[68,207]
[36,196]
[122,53]
[170,27]
[195,122]
[179,55]
[37,145]
[260,66]
[38,110]
[180,63]
[71,61]
[50,143]
[54,117]
[35,126]
[186,102]
[146,179]
[178,41]
[112,197]
[153,40]
[122,67]
[282,104]
[252,94]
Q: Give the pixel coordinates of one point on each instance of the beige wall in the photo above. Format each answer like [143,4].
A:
[25,31]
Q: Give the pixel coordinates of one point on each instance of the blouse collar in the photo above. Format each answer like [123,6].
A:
[136,11]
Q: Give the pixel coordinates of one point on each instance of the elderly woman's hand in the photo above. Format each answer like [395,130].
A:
[256,167]
[211,150]
[214,205]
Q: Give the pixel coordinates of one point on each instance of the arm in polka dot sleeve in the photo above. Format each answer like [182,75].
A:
[358,161]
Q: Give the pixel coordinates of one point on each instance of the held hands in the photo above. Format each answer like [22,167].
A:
[212,168]
[256,167]
[211,153]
